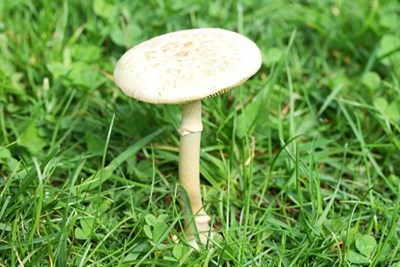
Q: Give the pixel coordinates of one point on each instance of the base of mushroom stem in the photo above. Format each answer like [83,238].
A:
[203,231]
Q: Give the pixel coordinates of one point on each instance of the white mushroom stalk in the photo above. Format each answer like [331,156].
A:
[189,171]
[185,67]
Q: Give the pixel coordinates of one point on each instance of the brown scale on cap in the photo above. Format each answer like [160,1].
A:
[187,65]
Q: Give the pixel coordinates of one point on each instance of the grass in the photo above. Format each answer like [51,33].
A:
[300,165]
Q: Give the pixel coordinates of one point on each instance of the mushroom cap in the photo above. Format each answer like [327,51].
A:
[187,65]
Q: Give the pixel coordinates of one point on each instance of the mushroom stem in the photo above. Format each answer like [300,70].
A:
[189,171]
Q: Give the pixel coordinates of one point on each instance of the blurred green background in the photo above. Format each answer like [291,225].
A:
[300,165]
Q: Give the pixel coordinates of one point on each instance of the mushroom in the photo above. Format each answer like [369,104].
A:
[185,67]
